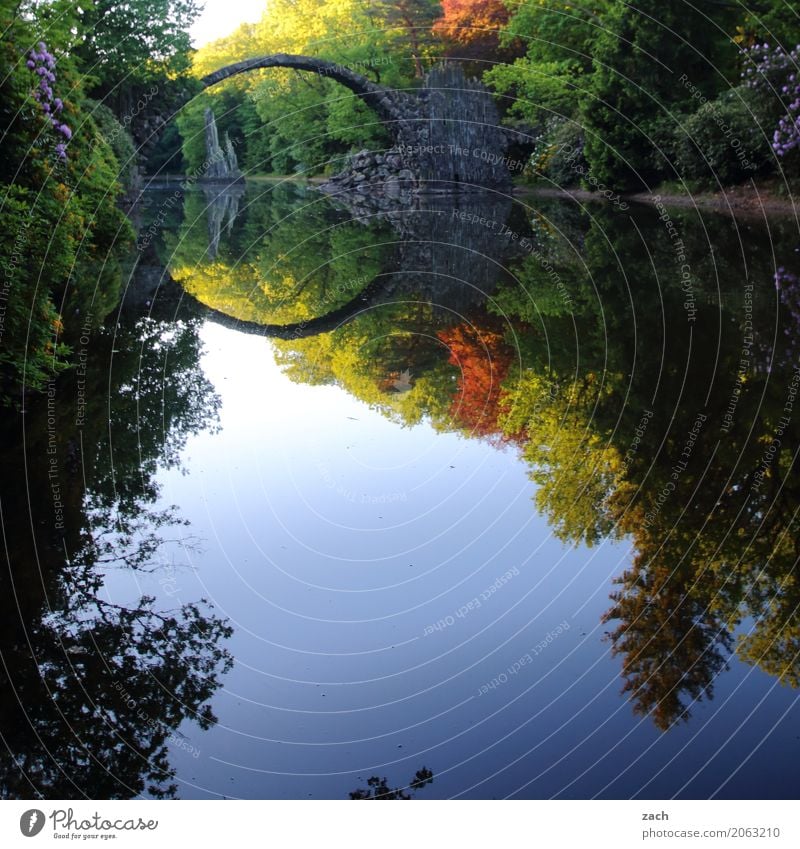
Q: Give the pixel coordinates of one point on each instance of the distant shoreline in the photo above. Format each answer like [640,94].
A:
[736,200]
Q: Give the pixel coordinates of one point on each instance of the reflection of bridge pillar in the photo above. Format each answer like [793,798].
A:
[222,207]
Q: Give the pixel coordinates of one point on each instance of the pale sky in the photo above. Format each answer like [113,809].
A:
[221,17]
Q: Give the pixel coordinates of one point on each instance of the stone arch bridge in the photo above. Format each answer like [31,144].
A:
[446,134]
[446,140]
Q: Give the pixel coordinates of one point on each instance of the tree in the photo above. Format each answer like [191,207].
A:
[472,30]
[483,360]
[295,121]
[93,692]
[412,22]
[672,646]
[557,40]
[771,21]
[378,788]
[125,45]
[59,186]
[637,58]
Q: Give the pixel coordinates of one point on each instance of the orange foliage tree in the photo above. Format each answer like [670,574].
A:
[472,28]
[483,359]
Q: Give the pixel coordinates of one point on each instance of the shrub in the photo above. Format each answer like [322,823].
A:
[117,138]
[629,88]
[58,190]
[29,322]
[558,155]
[726,140]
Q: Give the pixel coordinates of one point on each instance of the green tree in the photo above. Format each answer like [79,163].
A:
[643,49]
[412,22]
[309,123]
[124,46]
[551,77]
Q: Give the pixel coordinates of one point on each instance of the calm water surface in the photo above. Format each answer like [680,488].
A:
[504,491]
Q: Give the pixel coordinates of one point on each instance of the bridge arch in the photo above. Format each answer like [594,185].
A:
[386,103]
[446,135]
[302,329]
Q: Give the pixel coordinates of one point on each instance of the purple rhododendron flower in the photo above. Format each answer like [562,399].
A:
[42,63]
[786,137]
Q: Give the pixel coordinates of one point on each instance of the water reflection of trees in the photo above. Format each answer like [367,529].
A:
[378,788]
[93,690]
[594,333]
[715,550]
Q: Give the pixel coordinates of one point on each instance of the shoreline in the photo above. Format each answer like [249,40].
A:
[737,200]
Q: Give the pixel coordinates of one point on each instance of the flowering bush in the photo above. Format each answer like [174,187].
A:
[776,72]
[42,63]
[62,226]
[726,140]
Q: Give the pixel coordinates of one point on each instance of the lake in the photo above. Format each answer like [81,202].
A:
[501,490]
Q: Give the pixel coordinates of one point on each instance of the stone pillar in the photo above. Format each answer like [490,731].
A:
[220,164]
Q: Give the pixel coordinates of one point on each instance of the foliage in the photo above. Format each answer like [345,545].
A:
[672,649]
[126,46]
[483,360]
[117,138]
[558,40]
[630,84]
[773,75]
[558,153]
[60,183]
[378,788]
[409,24]
[146,671]
[167,155]
[549,366]
[618,80]
[471,30]
[725,141]
[30,352]
[294,122]
[96,691]
[631,75]
[271,271]
[761,21]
